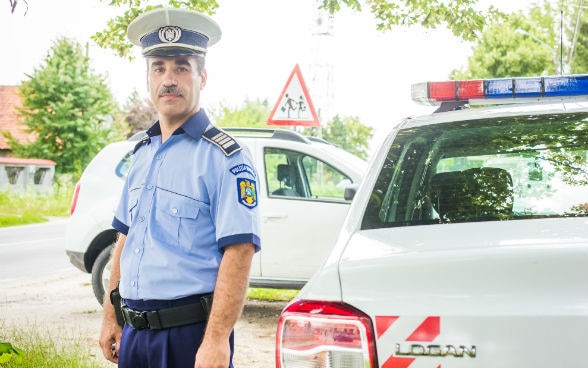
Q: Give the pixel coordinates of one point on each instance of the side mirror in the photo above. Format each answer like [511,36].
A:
[350,191]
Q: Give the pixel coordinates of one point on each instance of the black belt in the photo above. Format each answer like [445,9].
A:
[168,317]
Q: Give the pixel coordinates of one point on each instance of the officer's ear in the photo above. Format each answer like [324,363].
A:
[203,79]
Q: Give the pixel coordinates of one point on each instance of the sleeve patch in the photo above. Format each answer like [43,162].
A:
[236,170]
[247,192]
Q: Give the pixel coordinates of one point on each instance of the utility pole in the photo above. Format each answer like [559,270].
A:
[321,69]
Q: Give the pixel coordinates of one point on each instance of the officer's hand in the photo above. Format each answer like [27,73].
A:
[213,355]
[110,338]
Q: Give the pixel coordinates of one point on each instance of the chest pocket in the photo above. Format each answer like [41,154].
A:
[176,219]
[132,201]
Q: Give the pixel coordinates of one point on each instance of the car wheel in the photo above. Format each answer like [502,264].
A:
[101,273]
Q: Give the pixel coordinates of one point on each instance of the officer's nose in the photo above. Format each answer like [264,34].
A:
[170,81]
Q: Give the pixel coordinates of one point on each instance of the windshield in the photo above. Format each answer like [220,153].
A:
[507,168]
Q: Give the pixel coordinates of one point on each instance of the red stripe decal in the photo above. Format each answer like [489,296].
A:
[427,331]
[383,323]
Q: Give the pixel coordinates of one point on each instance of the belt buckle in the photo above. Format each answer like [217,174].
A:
[138,319]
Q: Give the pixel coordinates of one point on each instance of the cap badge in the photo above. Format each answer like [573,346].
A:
[170,34]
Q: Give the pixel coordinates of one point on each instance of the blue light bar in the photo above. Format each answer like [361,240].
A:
[571,85]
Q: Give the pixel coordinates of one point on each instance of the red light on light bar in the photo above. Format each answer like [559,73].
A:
[442,91]
[470,89]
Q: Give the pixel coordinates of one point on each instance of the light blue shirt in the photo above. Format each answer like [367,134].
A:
[182,203]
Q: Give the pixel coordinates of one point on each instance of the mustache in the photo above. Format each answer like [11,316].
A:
[170,90]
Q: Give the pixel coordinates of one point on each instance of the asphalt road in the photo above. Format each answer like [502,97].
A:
[33,250]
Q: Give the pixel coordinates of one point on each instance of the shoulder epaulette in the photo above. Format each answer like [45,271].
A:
[141,143]
[222,140]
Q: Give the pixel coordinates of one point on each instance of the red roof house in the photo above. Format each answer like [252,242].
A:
[10,101]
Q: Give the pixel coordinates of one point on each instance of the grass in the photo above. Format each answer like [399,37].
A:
[28,207]
[284,295]
[33,347]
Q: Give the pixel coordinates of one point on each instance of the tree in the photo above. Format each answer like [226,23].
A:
[68,108]
[530,43]
[460,16]
[139,114]
[349,134]
[253,114]
[576,31]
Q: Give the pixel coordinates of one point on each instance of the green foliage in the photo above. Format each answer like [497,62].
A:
[114,36]
[529,44]
[460,16]
[47,349]
[33,207]
[67,108]
[576,31]
[253,114]
[271,294]
[349,134]
[8,353]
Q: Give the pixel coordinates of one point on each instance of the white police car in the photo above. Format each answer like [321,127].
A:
[466,244]
[302,183]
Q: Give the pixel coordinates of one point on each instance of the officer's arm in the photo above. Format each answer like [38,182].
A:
[111,331]
[228,300]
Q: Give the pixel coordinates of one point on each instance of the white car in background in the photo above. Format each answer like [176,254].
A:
[466,244]
[302,182]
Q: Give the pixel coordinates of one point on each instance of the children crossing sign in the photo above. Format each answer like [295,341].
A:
[294,106]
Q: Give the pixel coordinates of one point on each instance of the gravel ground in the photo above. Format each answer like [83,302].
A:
[64,304]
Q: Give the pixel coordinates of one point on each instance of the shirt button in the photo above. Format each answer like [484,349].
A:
[141,218]
[132,283]
[150,186]
[137,250]
[158,157]
[174,210]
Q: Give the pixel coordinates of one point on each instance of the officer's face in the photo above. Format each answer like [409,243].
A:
[174,86]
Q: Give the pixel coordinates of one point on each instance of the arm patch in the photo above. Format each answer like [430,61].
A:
[222,140]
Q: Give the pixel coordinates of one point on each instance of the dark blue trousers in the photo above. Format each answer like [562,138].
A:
[168,348]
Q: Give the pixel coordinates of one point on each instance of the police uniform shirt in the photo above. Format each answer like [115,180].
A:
[183,201]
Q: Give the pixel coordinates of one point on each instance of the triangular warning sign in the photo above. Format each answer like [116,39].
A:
[294,106]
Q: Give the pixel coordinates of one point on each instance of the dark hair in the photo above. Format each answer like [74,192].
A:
[200,62]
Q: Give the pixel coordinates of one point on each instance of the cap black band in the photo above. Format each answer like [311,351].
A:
[175,39]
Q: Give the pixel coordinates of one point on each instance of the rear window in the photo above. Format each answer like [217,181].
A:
[500,169]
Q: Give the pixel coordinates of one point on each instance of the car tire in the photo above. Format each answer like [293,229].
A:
[101,273]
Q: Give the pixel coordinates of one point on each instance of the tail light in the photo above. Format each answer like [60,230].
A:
[74,199]
[324,335]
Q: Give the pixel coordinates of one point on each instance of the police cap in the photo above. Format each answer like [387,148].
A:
[173,32]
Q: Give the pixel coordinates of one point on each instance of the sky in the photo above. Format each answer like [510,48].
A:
[370,72]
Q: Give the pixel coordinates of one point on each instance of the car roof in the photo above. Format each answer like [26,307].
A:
[292,138]
[539,107]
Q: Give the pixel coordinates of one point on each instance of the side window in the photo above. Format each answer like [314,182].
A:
[295,174]
[324,180]
[278,172]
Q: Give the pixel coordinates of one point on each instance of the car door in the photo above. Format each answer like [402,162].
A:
[302,213]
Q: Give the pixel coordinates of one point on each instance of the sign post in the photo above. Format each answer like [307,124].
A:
[294,106]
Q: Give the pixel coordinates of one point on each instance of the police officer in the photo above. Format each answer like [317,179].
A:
[188,216]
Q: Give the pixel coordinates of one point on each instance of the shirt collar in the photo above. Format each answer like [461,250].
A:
[194,126]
